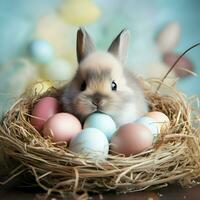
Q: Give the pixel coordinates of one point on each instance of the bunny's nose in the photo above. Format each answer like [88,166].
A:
[96,100]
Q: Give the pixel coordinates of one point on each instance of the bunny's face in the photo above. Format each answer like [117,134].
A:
[101,83]
[98,86]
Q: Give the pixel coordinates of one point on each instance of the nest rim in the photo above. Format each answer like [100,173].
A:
[175,156]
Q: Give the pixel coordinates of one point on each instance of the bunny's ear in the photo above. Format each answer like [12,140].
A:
[168,38]
[119,46]
[84,44]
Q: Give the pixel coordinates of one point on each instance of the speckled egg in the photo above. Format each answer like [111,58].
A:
[90,143]
[102,122]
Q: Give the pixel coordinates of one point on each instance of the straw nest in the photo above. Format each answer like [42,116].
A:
[175,156]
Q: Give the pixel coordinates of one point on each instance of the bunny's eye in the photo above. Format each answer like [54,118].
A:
[83,86]
[114,86]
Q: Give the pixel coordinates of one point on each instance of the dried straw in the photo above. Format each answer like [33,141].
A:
[175,156]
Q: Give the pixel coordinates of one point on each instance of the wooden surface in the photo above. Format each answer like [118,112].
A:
[172,192]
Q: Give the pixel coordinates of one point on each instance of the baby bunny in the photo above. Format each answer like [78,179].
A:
[102,84]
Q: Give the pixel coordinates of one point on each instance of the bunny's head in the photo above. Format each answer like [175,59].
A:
[101,82]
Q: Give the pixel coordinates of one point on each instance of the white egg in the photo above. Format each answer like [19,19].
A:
[161,119]
[150,123]
[90,143]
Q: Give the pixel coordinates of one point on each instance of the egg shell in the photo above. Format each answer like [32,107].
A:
[41,87]
[161,118]
[131,139]
[90,143]
[62,127]
[150,123]
[102,122]
[41,51]
[80,10]
[43,110]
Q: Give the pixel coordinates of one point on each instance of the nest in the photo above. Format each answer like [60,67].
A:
[174,157]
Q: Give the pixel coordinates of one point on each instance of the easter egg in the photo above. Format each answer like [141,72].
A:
[161,118]
[102,122]
[43,110]
[76,12]
[41,87]
[59,34]
[59,70]
[40,51]
[91,143]
[62,127]
[149,123]
[131,139]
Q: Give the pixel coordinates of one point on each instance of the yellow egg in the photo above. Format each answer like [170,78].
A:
[60,35]
[41,87]
[79,12]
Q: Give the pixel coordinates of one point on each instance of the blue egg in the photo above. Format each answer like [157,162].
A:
[102,122]
[149,123]
[90,143]
[41,51]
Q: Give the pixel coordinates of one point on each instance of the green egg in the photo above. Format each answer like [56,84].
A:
[40,51]
[102,122]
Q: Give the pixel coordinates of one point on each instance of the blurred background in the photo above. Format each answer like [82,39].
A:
[37,40]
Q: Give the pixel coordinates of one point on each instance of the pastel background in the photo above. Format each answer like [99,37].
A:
[37,39]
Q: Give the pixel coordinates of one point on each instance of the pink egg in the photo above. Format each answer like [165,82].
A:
[62,127]
[43,110]
[131,139]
